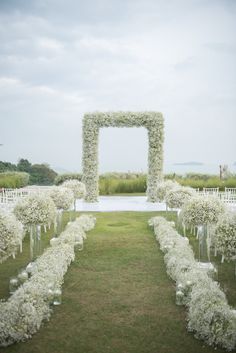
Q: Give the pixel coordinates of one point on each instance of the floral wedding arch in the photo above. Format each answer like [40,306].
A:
[92,122]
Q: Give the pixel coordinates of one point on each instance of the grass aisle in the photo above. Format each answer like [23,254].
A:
[117,297]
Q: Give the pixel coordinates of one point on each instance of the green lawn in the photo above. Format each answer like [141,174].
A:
[117,296]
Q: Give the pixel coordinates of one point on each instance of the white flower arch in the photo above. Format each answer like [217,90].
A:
[92,122]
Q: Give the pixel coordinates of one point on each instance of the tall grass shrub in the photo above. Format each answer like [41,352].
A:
[13,179]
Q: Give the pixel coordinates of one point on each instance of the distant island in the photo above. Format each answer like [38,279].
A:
[189,163]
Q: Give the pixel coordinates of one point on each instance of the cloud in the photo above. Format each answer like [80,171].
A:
[60,59]
[219,47]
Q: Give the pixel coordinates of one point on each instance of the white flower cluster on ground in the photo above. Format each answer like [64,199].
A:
[87,222]
[209,315]
[154,124]
[225,236]
[22,315]
[11,235]
[77,187]
[164,187]
[177,196]
[63,197]
[201,210]
[35,209]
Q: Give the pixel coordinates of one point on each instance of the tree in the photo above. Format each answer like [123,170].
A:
[7,167]
[24,165]
[42,174]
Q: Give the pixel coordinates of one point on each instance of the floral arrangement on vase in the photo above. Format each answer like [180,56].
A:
[35,211]
[77,187]
[11,235]
[177,196]
[200,214]
[225,236]
[164,187]
[63,198]
[201,210]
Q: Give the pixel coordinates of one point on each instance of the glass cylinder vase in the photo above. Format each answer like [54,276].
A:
[179,297]
[35,241]
[13,284]
[203,243]
[22,276]
[58,224]
[57,296]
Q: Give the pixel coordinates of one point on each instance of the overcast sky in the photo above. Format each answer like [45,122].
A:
[62,58]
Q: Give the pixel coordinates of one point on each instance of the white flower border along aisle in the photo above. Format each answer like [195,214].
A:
[23,313]
[209,315]
[152,121]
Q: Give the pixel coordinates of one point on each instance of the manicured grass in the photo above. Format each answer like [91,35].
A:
[117,296]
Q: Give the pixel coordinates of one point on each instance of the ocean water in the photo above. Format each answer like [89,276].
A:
[204,169]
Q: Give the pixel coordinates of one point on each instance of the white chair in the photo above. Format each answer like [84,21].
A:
[230,190]
[211,191]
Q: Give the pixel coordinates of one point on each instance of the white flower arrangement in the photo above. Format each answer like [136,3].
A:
[23,313]
[11,235]
[176,197]
[209,315]
[63,197]
[225,236]
[35,209]
[77,187]
[86,221]
[201,210]
[164,187]
[154,124]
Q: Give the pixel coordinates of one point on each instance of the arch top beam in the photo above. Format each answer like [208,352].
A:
[92,122]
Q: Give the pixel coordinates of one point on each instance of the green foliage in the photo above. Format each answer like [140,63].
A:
[67,176]
[24,165]
[7,167]
[41,174]
[14,179]
[210,182]
[198,180]
[114,185]
[117,175]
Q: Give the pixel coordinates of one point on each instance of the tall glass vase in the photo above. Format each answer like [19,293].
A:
[35,241]
[73,211]
[204,246]
[203,243]
[58,224]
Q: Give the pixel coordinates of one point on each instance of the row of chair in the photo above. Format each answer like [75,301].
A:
[217,190]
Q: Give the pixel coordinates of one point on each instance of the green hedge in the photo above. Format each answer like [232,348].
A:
[13,179]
